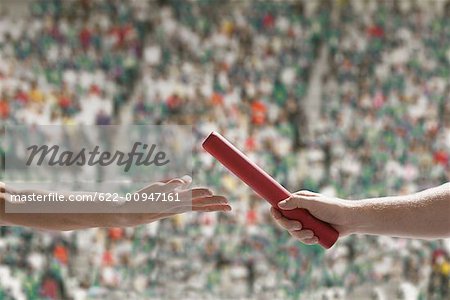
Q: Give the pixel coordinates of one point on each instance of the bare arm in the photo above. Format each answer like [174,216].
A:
[203,200]
[424,215]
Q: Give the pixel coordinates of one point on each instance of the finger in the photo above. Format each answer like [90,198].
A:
[187,196]
[276,214]
[187,180]
[210,200]
[2,187]
[166,180]
[310,241]
[200,193]
[176,183]
[150,217]
[296,201]
[302,234]
[200,204]
[290,203]
[163,186]
[170,181]
[305,193]
[210,208]
[289,224]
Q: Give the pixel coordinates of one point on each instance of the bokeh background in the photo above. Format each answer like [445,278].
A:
[347,98]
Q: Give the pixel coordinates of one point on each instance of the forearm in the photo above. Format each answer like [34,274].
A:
[36,220]
[422,215]
[60,196]
[2,210]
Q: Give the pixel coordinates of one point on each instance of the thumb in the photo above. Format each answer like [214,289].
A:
[331,210]
[173,184]
[165,185]
[299,201]
[187,181]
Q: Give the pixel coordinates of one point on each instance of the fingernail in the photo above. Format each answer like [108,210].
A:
[227,208]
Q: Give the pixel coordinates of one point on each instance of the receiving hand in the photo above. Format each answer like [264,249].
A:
[203,200]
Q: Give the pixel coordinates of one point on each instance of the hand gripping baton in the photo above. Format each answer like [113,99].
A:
[235,161]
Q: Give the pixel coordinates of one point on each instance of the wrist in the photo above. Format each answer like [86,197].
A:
[359,217]
[350,220]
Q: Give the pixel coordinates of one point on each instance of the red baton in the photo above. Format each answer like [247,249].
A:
[261,182]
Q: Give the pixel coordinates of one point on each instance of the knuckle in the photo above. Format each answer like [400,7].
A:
[294,198]
[284,224]
[305,234]
[311,241]
[293,225]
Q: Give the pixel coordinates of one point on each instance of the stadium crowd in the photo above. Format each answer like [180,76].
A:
[70,62]
[242,69]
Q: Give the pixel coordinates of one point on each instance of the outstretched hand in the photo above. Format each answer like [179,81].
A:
[203,200]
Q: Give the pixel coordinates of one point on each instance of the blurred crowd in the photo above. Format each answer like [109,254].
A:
[70,62]
[246,70]
[386,106]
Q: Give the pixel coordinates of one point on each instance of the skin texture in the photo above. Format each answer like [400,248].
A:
[423,215]
[203,200]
